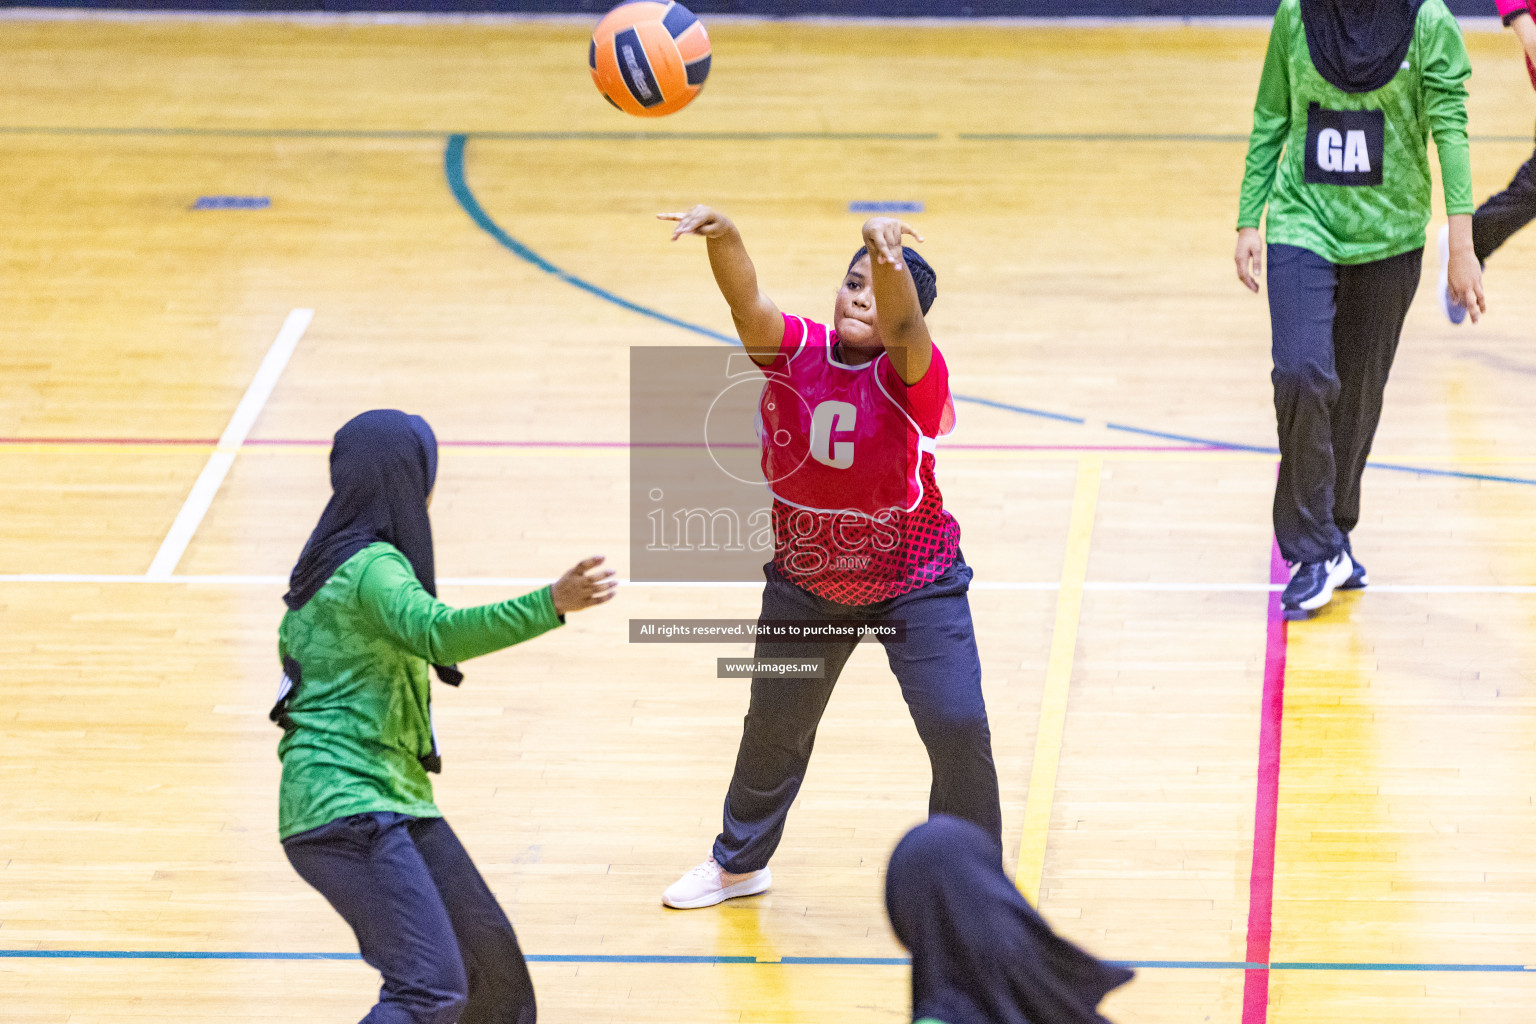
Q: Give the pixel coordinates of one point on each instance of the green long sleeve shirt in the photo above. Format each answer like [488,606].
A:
[1357,223]
[361,716]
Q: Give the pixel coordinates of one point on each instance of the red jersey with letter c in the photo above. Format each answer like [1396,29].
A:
[848,451]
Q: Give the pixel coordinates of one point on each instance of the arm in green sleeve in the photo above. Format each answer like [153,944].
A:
[401,609]
[1271,126]
[1446,68]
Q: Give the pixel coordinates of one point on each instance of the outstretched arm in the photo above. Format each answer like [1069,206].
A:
[759,323]
[398,607]
[897,309]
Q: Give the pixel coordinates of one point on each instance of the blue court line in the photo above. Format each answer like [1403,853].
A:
[453,165]
[1041,413]
[793,961]
[1396,467]
[641,958]
[1166,436]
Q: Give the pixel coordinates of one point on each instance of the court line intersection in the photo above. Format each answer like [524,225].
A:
[458,184]
[1257,967]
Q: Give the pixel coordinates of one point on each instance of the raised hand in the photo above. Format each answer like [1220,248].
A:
[577,589]
[882,235]
[701,220]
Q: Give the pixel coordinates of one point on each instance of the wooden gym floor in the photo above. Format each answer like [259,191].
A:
[1327,823]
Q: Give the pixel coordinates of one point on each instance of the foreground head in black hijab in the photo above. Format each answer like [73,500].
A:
[1359,45]
[383,465]
[980,953]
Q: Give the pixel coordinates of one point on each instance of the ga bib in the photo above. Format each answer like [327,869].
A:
[1344,147]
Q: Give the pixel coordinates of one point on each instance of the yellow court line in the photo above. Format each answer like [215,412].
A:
[1058,679]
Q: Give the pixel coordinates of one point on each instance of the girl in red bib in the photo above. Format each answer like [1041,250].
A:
[848,422]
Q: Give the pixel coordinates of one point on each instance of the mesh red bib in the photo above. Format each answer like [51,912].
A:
[849,453]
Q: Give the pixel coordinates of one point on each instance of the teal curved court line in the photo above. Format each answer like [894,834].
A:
[458,184]
[453,166]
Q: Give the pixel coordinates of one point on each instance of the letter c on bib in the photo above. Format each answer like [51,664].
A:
[1330,150]
[829,417]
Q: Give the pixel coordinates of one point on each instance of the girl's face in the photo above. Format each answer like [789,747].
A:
[853,316]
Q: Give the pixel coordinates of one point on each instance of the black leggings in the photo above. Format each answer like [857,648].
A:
[423,917]
[1504,214]
[1335,331]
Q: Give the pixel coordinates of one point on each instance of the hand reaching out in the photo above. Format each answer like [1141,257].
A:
[882,236]
[577,590]
[701,220]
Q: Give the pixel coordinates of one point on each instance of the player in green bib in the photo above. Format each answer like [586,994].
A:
[1350,94]
[355,810]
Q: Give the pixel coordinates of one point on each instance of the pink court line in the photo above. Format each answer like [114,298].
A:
[1266,813]
[208,442]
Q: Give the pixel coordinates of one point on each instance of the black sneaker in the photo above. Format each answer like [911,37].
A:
[1359,579]
[1313,583]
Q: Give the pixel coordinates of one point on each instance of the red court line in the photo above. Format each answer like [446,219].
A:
[208,442]
[1261,878]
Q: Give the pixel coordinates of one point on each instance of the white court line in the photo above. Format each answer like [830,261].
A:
[212,477]
[1107,586]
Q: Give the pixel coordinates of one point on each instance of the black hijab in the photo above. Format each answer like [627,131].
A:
[980,953]
[383,465]
[1359,45]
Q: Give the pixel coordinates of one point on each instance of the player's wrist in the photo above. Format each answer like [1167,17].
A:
[725,229]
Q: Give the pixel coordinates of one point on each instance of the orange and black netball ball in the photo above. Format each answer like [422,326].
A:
[649,58]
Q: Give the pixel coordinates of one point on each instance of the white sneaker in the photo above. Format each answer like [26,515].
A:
[1454,311]
[705,886]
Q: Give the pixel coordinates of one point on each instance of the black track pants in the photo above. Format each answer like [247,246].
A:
[423,916]
[1335,331]
[939,672]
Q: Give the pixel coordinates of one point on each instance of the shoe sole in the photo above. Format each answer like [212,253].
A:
[1355,584]
[754,886]
[1339,576]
